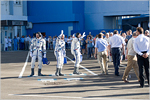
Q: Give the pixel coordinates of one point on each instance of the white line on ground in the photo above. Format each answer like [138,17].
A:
[45,96]
[82,67]
[53,80]
[25,64]
[47,80]
[57,97]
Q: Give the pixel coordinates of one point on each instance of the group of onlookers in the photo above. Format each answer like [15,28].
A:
[115,46]
[17,43]
[134,47]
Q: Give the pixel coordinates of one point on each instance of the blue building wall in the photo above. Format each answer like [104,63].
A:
[53,16]
[99,14]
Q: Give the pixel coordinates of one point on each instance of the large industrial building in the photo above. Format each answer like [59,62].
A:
[13,19]
[27,17]
[78,16]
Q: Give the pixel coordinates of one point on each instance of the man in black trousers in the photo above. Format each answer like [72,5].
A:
[142,48]
[116,42]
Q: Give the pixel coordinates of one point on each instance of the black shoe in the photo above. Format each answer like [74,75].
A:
[76,71]
[141,86]
[32,71]
[60,74]
[57,72]
[117,75]
[39,72]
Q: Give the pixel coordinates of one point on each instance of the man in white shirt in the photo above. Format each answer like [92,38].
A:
[26,42]
[107,37]
[6,43]
[142,48]
[116,43]
[132,59]
[147,33]
[110,56]
[9,44]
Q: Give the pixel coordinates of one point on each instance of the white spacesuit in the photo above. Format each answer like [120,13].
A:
[37,49]
[75,50]
[60,53]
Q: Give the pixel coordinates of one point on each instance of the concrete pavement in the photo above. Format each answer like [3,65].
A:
[86,86]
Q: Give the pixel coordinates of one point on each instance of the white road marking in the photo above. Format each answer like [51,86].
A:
[47,80]
[59,97]
[83,67]
[25,64]
[53,80]
[70,79]
[45,96]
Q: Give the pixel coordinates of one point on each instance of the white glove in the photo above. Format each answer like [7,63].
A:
[83,35]
[44,55]
[73,35]
[62,32]
[31,55]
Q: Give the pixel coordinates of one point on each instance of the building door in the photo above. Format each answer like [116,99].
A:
[6,32]
[70,28]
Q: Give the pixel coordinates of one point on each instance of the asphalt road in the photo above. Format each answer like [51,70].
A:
[85,86]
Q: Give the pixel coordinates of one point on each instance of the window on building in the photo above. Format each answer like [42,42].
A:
[17,2]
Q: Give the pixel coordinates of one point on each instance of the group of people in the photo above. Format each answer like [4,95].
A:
[113,46]
[136,46]
[17,43]
[38,49]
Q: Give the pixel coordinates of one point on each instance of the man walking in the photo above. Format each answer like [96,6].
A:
[132,59]
[116,43]
[101,47]
[142,48]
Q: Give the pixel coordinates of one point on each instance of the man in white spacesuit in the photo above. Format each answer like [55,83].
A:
[37,49]
[75,50]
[60,53]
